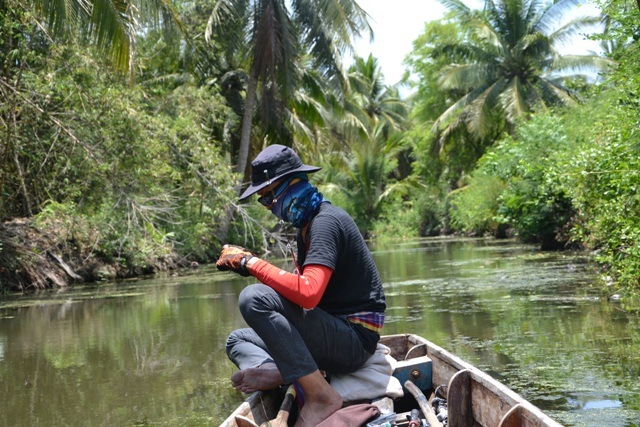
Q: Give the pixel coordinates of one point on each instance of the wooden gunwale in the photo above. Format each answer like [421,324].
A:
[490,400]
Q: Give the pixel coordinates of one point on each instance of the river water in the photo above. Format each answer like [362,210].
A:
[151,352]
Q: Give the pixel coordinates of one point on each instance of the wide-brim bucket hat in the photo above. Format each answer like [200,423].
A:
[272,164]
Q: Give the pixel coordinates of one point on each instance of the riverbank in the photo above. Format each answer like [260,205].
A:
[33,258]
[38,255]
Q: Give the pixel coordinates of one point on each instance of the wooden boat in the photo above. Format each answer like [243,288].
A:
[473,398]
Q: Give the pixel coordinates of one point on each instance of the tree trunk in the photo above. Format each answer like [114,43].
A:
[23,186]
[243,152]
[247,120]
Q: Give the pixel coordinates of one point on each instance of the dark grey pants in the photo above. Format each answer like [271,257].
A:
[299,341]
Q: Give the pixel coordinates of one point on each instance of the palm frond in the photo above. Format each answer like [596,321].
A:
[465,76]
[452,112]
[555,15]
[343,20]
[230,19]
[487,34]
[577,64]
[555,92]
[453,130]
[508,19]
[223,11]
[514,100]
[62,14]
[113,25]
[533,15]
[536,45]
[480,114]
[328,28]
[568,32]
[462,11]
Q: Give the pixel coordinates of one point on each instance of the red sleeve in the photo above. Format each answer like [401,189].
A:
[305,290]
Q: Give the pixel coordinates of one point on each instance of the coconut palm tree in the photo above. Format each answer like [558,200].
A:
[274,35]
[370,101]
[370,164]
[369,130]
[509,64]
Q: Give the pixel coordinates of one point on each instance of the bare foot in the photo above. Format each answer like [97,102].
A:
[320,400]
[265,377]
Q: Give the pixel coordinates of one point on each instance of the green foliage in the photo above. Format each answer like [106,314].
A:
[365,171]
[370,103]
[277,42]
[23,48]
[508,62]
[605,173]
[398,219]
[439,158]
[336,195]
[473,209]
[604,184]
[427,167]
[111,25]
[622,32]
[519,183]
[426,63]
[372,163]
[411,209]
[482,71]
[141,173]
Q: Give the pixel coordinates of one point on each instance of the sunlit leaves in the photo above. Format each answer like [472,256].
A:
[112,25]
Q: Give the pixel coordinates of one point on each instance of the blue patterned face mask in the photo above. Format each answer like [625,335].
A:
[298,203]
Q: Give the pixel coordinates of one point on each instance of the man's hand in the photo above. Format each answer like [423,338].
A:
[234,258]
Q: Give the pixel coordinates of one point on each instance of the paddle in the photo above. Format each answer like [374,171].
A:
[426,409]
[283,414]
[281,418]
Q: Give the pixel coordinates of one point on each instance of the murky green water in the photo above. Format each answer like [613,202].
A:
[151,352]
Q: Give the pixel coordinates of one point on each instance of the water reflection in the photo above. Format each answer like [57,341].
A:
[152,351]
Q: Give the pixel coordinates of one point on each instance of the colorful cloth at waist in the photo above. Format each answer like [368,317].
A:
[371,320]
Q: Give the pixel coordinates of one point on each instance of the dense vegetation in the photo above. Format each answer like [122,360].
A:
[125,129]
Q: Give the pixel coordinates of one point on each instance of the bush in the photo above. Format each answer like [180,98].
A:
[605,177]
[135,174]
[473,209]
[399,219]
[519,184]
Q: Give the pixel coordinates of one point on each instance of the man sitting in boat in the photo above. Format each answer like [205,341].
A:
[326,315]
